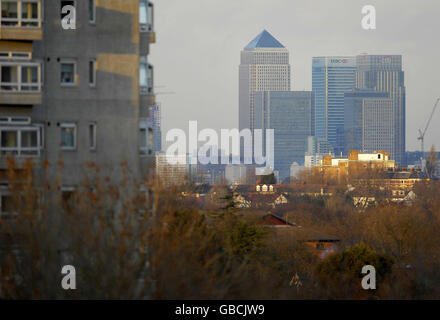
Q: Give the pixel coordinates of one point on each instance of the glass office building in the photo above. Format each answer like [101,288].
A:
[290,115]
[156,126]
[368,121]
[264,66]
[384,73]
[331,78]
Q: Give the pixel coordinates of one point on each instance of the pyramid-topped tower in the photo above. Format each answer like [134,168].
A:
[264,67]
[264,40]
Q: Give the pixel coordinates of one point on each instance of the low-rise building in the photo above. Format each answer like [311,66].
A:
[355,166]
[321,244]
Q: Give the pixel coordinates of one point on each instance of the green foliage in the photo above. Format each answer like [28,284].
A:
[228,200]
[245,239]
[343,270]
[268,179]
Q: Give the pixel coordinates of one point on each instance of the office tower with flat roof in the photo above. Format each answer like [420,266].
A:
[368,121]
[331,78]
[156,125]
[173,169]
[289,114]
[384,73]
[264,67]
[81,95]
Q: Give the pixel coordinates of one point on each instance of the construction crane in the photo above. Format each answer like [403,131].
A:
[422,133]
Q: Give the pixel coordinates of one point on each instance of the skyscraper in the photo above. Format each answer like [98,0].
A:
[290,115]
[331,78]
[369,121]
[264,67]
[156,125]
[384,73]
[74,93]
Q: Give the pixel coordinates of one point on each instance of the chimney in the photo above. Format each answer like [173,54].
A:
[327,160]
[353,155]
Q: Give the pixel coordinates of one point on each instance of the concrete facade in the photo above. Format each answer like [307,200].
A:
[90,88]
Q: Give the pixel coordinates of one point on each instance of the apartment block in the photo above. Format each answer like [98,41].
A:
[80,94]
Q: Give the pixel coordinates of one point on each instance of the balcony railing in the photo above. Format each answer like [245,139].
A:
[146,78]
[20,77]
[22,141]
[146,16]
[20,19]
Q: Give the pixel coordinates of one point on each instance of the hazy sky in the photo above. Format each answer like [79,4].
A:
[199,42]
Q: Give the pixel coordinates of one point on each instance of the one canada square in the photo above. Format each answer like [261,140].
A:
[264,67]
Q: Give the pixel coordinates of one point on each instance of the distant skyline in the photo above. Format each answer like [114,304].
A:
[198,47]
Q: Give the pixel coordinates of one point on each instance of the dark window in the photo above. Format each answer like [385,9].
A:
[92,11]
[66,3]
[7,204]
[92,73]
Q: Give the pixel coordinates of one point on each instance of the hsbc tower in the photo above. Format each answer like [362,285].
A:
[331,78]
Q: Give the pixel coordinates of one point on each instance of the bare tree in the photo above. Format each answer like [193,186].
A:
[431,162]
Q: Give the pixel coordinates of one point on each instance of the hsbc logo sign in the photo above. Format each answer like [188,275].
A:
[387,59]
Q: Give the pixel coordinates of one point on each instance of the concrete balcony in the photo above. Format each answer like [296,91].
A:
[21,20]
[146,21]
[21,98]
[20,83]
[19,143]
[20,162]
[147,100]
[20,33]
[152,37]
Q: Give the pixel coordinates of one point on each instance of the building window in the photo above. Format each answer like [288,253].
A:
[68,73]
[20,13]
[15,120]
[29,139]
[92,73]
[146,14]
[92,11]
[68,136]
[143,12]
[6,204]
[29,78]
[92,136]
[66,3]
[67,197]
[145,137]
[41,129]
[9,55]
[20,76]
[20,141]
[29,13]
[9,13]
[145,77]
